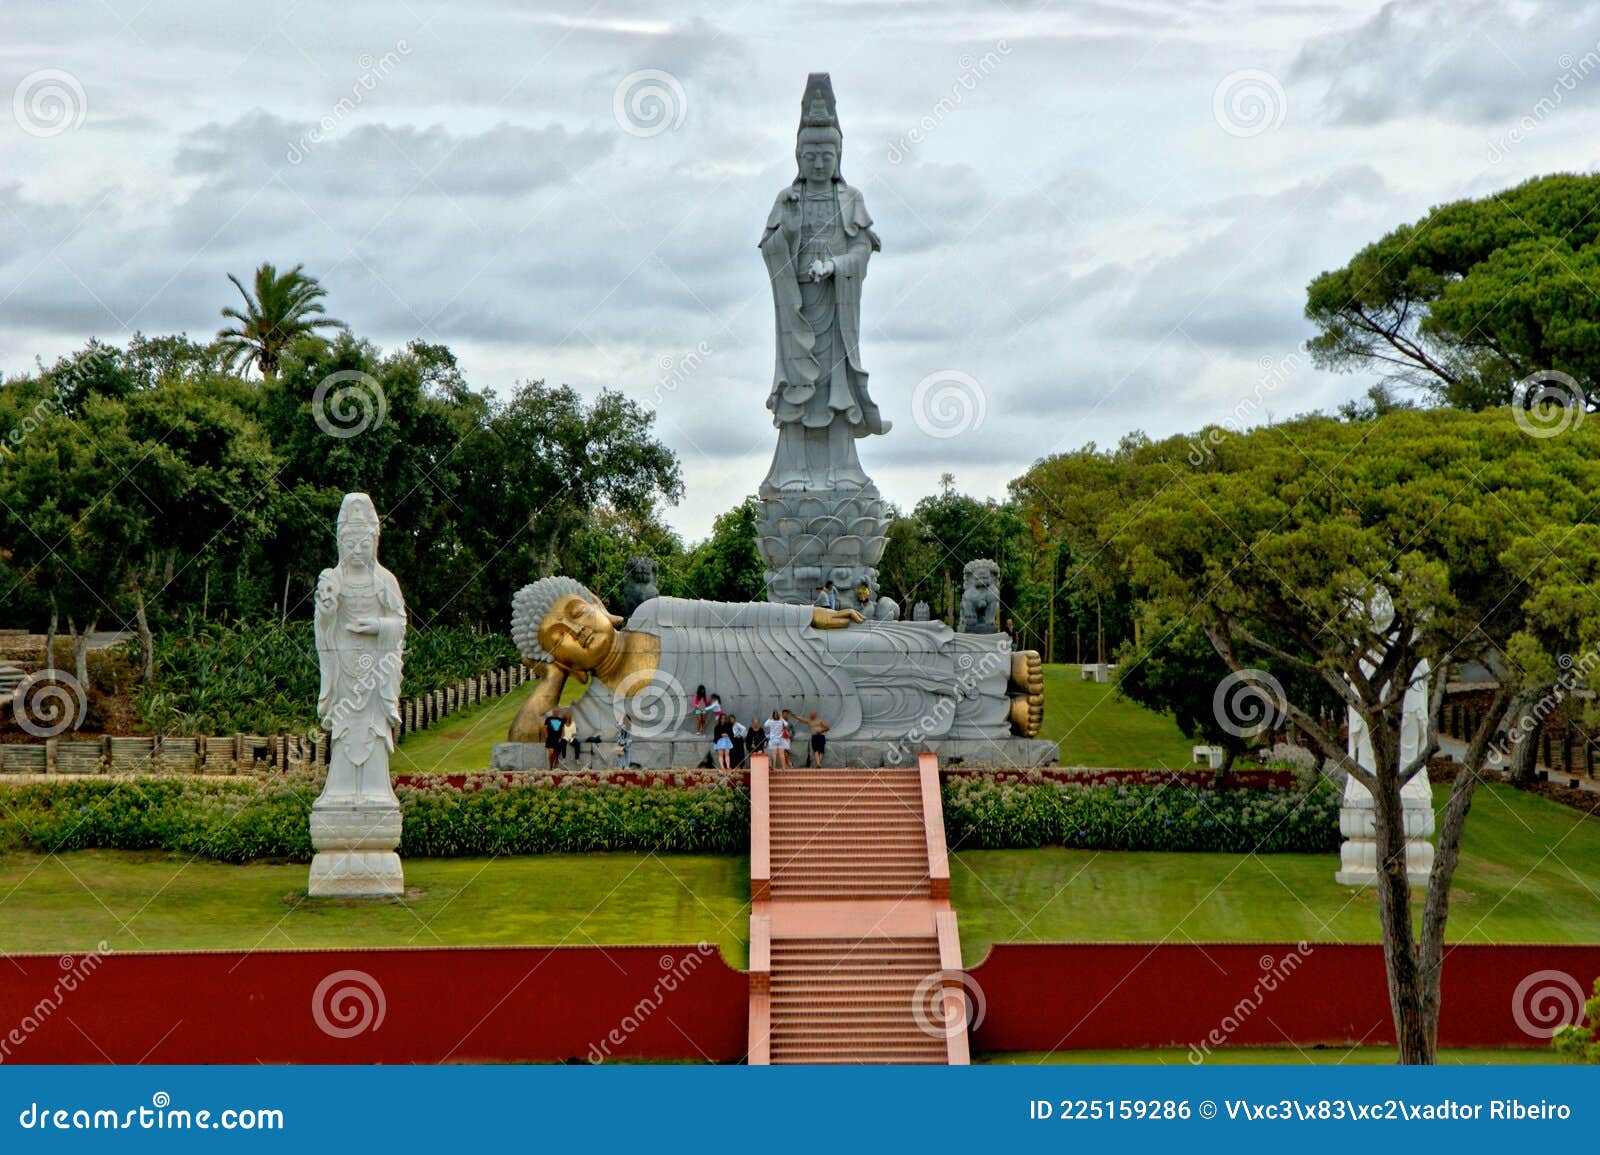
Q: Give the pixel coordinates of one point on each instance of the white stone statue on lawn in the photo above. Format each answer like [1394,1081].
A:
[1358,855]
[360,621]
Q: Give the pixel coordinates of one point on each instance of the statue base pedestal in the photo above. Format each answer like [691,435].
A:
[808,537]
[688,753]
[355,843]
[1358,856]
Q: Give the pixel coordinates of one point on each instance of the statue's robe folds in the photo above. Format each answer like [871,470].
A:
[819,397]
[872,681]
[359,699]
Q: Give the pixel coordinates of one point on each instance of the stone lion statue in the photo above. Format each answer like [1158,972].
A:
[980,597]
[638,585]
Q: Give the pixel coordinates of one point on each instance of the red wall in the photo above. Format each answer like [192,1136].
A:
[467,1004]
[1085,996]
[443,1005]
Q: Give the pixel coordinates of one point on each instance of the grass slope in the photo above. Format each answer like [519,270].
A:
[138,901]
[1097,727]
[1530,872]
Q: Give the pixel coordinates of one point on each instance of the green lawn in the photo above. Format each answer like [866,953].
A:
[1097,727]
[463,741]
[1272,1056]
[153,901]
[1530,872]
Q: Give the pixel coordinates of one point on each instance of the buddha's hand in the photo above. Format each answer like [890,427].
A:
[825,619]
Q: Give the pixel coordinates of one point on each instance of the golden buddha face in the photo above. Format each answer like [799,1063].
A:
[577,633]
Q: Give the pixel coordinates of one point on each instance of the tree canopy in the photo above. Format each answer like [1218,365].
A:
[1474,297]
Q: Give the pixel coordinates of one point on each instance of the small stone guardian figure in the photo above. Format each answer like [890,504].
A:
[360,621]
[980,597]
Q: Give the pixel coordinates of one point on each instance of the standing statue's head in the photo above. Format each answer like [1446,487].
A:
[558,619]
[357,530]
[817,147]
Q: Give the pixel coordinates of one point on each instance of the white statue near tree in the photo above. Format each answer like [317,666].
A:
[360,621]
[1358,855]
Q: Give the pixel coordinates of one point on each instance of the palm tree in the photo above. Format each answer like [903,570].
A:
[283,308]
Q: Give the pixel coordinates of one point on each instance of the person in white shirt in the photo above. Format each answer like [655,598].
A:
[777,740]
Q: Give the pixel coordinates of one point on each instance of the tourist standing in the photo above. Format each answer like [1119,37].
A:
[700,701]
[624,744]
[755,738]
[553,724]
[738,732]
[722,735]
[777,743]
[819,736]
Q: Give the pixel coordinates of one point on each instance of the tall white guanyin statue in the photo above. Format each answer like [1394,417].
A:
[360,621]
[1358,855]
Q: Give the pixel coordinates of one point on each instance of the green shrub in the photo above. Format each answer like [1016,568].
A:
[262,678]
[246,819]
[1577,1041]
[999,815]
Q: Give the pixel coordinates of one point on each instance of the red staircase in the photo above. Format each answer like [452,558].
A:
[854,955]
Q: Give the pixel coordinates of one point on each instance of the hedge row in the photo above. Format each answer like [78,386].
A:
[244,820]
[248,819]
[1000,815]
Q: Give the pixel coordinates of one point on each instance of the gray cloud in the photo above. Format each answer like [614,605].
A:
[1075,232]
[1472,61]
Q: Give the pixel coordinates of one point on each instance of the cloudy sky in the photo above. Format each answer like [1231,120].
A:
[1096,217]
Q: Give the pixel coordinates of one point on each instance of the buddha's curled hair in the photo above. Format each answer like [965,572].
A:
[531,603]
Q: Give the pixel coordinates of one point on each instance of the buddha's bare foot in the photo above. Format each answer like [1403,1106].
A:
[1027,672]
[1027,714]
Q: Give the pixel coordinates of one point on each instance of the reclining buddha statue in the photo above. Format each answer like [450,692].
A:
[871,680]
